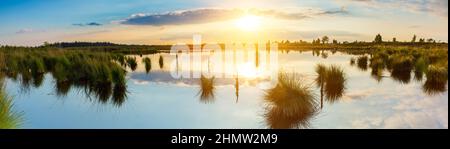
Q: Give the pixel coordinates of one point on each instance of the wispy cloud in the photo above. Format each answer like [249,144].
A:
[206,15]
[28,30]
[87,24]
[435,7]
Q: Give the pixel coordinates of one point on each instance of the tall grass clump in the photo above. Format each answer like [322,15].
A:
[97,73]
[377,64]
[437,79]
[420,67]
[402,66]
[291,103]
[9,118]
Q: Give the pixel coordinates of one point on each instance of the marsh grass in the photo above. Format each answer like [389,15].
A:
[96,73]
[401,62]
[420,67]
[9,118]
[291,103]
[437,79]
[402,67]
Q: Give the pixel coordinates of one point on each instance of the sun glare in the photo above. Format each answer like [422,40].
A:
[247,70]
[248,23]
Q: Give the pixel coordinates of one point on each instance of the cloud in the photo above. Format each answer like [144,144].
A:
[28,30]
[206,15]
[87,24]
[25,30]
[435,7]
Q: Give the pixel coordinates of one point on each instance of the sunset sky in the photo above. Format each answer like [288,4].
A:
[32,22]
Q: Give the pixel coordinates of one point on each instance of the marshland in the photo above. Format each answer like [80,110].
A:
[339,85]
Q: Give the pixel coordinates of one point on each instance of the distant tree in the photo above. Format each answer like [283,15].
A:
[335,41]
[287,42]
[46,43]
[325,39]
[318,41]
[394,39]
[378,39]
[430,40]
[414,39]
[421,40]
[345,42]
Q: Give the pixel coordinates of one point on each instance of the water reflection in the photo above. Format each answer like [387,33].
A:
[236,87]
[324,55]
[401,66]
[131,61]
[148,64]
[291,103]
[161,62]
[334,83]
[207,89]
[362,62]
[98,76]
[331,81]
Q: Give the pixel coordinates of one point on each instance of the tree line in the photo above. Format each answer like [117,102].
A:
[377,40]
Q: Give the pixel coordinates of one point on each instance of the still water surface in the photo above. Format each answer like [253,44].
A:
[156,100]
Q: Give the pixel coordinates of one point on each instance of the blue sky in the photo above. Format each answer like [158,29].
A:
[31,22]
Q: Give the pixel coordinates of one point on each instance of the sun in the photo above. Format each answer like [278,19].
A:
[248,23]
